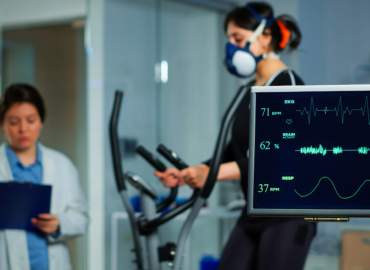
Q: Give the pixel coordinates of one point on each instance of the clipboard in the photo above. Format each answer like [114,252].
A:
[22,201]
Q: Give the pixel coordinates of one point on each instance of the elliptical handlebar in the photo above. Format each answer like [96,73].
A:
[118,172]
[159,166]
[221,141]
[155,162]
[141,185]
[147,225]
[172,157]
[120,180]
[196,201]
[212,175]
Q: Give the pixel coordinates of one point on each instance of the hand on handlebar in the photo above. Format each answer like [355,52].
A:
[170,177]
[195,176]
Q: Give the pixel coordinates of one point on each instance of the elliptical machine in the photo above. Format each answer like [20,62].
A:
[147,224]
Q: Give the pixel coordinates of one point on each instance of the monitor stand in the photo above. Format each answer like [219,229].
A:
[324,219]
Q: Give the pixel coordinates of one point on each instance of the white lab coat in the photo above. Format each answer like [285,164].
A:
[67,202]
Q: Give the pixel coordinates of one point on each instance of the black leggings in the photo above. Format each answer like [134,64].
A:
[279,247]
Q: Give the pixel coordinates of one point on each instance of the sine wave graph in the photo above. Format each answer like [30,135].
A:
[341,197]
[339,111]
[310,150]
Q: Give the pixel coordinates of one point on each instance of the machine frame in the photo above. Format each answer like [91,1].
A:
[251,211]
[147,224]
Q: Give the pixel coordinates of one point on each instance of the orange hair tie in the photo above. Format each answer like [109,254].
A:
[285,33]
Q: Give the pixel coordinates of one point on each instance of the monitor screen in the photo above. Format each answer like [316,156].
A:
[311,149]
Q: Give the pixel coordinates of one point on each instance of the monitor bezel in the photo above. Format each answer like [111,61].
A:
[293,212]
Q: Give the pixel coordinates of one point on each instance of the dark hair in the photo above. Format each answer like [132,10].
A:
[244,18]
[21,93]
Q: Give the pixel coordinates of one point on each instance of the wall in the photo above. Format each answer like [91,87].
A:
[18,62]
[24,13]
[95,135]
[335,36]
[129,40]
[182,113]
[129,56]
[54,71]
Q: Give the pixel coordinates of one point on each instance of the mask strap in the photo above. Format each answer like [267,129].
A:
[258,16]
[259,30]
[261,27]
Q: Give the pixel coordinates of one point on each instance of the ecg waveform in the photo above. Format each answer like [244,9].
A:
[344,198]
[336,150]
[338,110]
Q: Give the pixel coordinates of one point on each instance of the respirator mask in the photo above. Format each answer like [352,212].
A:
[241,61]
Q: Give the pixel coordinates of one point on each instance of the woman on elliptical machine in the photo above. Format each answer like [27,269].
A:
[255,39]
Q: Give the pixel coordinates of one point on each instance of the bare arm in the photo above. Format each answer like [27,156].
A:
[229,171]
[196,176]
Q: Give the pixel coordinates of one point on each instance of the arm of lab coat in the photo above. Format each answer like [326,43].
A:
[74,220]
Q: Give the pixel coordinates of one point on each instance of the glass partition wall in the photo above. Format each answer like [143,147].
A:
[167,58]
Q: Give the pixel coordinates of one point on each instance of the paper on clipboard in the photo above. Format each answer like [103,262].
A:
[22,201]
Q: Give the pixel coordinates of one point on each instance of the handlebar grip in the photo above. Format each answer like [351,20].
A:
[219,149]
[141,184]
[147,225]
[170,199]
[172,157]
[118,170]
[153,160]
[155,223]
[159,166]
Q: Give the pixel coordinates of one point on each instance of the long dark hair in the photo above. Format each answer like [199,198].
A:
[244,18]
[21,93]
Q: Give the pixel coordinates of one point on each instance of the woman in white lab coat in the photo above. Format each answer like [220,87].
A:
[22,114]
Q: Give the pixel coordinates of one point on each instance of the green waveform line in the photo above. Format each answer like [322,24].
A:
[343,198]
[339,111]
[336,150]
[313,150]
[363,150]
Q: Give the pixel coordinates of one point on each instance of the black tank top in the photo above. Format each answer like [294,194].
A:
[237,149]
